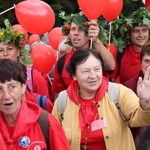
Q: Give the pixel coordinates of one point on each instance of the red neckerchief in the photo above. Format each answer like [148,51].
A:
[87,112]
[132,56]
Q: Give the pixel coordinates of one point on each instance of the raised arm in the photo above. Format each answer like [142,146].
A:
[143,90]
[108,58]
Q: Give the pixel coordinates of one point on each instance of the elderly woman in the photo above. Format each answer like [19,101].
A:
[11,47]
[91,120]
[11,42]
[22,123]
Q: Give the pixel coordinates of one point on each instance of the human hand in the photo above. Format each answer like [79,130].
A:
[143,90]
[93,31]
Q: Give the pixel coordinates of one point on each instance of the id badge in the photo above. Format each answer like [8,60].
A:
[98,124]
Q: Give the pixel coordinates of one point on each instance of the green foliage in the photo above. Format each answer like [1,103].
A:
[10,35]
[83,22]
[123,25]
[141,16]
[24,57]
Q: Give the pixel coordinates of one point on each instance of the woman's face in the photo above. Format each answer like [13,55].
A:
[10,97]
[9,51]
[145,62]
[89,75]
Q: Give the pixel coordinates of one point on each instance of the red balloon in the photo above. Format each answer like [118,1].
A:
[93,8]
[54,37]
[35,16]
[147,3]
[33,38]
[113,9]
[43,57]
[19,28]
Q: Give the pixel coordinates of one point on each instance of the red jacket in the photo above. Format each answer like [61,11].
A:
[39,83]
[60,83]
[27,128]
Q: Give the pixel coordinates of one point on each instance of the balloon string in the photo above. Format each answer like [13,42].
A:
[91,43]
[6,10]
[50,79]
[110,28]
[91,40]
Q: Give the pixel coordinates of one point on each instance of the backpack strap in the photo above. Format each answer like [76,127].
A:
[60,64]
[29,78]
[62,102]
[114,95]
[113,92]
[44,125]
[41,100]
[119,58]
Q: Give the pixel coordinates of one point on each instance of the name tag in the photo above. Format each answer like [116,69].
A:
[98,124]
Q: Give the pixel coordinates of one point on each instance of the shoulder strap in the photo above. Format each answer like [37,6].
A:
[60,64]
[44,125]
[114,95]
[41,100]
[62,102]
[29,78]
[119,58]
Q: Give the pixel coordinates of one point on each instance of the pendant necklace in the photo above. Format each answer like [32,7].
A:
[86,138]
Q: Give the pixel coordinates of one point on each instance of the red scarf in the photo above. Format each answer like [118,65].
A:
[88,111]
[132,56]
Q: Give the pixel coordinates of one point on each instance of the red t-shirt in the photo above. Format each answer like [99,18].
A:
[61,83]
[130,64]
[95,139]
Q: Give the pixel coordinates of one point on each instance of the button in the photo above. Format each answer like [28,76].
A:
[98,105]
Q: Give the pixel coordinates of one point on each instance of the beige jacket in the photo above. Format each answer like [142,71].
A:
[117,134]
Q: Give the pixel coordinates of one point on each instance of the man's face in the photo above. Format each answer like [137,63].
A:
[139,35]
[77,37]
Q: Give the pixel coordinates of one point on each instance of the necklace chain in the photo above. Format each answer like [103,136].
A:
[86,138]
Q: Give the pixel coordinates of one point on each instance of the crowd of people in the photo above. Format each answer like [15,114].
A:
[80,113]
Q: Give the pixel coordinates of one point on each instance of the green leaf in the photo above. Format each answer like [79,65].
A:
[129,21]
[103,35]
[7,23]
[146,21]
[25,58]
